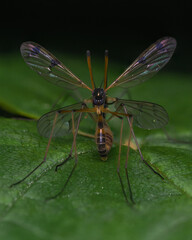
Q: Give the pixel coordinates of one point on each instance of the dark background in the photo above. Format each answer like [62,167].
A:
[125,28]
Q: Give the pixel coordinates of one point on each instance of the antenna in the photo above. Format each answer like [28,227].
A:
[90,70]
[106,67]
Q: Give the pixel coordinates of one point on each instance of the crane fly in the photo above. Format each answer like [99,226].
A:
[67,120]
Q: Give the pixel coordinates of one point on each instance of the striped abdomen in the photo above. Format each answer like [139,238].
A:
[104,138]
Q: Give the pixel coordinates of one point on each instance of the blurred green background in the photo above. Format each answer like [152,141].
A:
[92,206]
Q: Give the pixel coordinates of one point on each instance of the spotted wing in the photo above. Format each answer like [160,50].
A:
[147,64]
[63,123]
[49,67]
[146,115]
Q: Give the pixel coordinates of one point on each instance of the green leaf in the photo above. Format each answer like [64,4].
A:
[92,205]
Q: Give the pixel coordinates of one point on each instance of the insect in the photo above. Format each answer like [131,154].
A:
[66,120]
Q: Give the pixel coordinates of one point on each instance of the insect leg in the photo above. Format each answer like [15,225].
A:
[83,109]
[74,141]
[69,156]
[118,165]
[44,159]
[73,126]
[126,163]
[136,142]
[112,116]
[174,140]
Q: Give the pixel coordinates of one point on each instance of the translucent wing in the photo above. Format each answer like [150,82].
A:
[145,114]
[63,124]
[147,64]
[49,67]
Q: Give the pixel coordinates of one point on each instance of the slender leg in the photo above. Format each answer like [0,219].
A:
[74,141]
[118,165]
[69,156]
[44,159]
[126,163]
[64,186]
[73,125]
[146,163]
[174,140]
